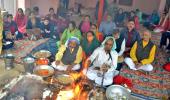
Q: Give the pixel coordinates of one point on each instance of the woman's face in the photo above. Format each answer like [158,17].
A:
[20,12]
[71,26]
[9,19]
[90,37]
[86,19]
[93,28]
[51,11]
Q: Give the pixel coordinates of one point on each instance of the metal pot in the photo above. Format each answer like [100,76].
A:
[42,61]
[117,92]
[42,54]
[9,61]
[65,79]
[43,70]
[29,64]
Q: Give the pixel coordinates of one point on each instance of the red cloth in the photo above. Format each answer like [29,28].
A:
[122,80]
[137,24]
[167,67]
[100,12]
[85,27]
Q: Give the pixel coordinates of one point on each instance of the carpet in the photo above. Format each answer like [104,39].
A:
[152,85]
[49,45]
[23,47]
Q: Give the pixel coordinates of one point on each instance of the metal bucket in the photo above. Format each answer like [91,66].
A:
[9,61]
[29,64]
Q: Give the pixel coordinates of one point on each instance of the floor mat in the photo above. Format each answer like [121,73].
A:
[23,47]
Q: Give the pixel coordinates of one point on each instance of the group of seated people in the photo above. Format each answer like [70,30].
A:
[88,47]
[84,51]
[31,23]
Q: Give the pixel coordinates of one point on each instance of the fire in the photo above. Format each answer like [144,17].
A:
[75,90]
[65,95]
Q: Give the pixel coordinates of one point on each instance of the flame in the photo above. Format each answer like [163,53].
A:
[65,95]
[75,90]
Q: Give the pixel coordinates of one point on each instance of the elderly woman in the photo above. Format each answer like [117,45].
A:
[69,55]
[142,54]
[102,56]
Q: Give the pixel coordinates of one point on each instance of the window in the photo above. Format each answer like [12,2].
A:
[126,2]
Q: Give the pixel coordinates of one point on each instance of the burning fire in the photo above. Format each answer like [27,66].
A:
[65,95]
[76,92]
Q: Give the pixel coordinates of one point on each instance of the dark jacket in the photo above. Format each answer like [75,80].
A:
[135,36]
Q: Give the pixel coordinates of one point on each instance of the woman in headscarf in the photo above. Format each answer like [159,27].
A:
[98,34]
[69,56]
[21,21]
[1,29]
[89,44]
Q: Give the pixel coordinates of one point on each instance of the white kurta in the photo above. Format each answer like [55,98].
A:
[98,58]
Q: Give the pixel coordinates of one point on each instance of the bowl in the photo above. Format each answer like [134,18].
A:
[117,92]
[42,54]
[43,71]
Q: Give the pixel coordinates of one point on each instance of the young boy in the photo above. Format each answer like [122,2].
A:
[120,48]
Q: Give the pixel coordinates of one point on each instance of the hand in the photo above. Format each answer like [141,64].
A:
[13,36]
[69,68]
[104,68]
[57,62]
[138,65]
[136,62]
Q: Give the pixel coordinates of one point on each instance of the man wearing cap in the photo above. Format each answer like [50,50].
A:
[69,55]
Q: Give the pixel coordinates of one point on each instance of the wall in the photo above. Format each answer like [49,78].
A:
[146,6]
[43,5]
[9,5]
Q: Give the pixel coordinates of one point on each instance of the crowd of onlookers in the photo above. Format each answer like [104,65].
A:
[116,37]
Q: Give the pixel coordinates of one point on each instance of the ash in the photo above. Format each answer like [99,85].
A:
[26,89]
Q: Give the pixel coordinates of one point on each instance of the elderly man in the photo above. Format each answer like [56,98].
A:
[102,57]
[69,56]
[142,54]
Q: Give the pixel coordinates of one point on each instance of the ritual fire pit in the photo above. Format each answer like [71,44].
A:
[73,86]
